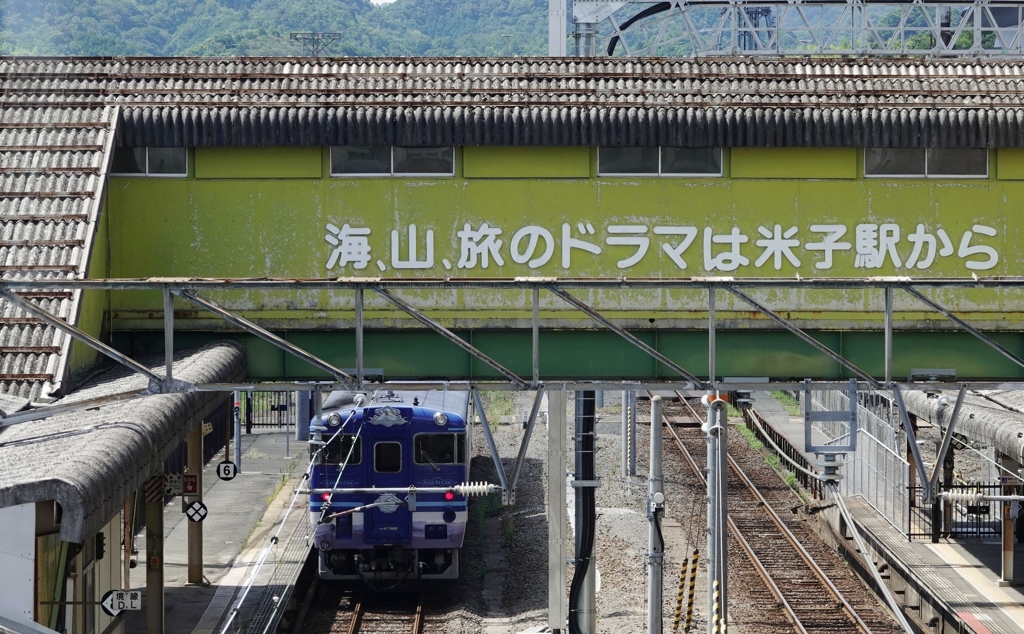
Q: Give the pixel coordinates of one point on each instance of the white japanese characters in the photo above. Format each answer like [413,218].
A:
[579,245]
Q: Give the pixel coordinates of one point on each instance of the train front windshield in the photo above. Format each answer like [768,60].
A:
[436,449]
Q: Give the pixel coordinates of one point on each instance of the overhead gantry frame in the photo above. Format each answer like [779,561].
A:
[190,289]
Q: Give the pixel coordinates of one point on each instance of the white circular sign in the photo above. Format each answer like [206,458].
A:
[226,470]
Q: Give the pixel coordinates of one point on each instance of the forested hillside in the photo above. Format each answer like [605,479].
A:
[262,27]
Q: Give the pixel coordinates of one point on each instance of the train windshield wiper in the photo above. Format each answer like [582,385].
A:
[423,454]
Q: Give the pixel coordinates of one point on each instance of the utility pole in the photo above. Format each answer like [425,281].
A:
[718,513]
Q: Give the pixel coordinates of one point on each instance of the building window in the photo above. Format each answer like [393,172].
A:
[659,161]
[925,163]
[386,160]
[153,161]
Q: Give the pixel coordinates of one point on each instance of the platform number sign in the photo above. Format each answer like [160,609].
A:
[226,470]
[117,601]
[196,512]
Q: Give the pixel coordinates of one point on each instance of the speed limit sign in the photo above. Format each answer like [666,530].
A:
[226,470]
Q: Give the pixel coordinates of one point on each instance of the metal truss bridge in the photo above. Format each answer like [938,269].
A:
[697,28]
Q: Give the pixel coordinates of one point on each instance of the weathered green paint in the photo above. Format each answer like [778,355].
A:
[254,227]
[258,162]
[417,354]
[526,162]
[93,305]
[1010,163]
[794,163]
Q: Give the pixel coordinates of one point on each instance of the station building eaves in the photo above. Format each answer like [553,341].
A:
[91,461]
[732,102]
[53,162]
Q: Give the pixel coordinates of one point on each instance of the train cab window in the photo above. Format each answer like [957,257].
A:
[339,449]
[438,449]
[387,457]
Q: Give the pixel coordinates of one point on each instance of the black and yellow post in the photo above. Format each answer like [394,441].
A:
[679,597]
[717,627]
[692,587]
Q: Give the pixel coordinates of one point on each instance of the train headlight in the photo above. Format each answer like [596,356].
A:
[449,496]
[325,497]
[334,420]
[440,419]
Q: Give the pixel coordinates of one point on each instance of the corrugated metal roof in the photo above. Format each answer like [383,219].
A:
[91,461]
[525,101]
[51,181]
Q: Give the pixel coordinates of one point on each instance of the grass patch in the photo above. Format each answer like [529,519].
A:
[789,402]
[751,437]
[497,404]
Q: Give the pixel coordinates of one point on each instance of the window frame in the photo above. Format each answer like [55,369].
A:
[146,173]
[926,175]
[358,454]
[391,167]
[661,173]
[459,438]
[387,442]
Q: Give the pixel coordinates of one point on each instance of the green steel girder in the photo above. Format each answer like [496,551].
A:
[602,355]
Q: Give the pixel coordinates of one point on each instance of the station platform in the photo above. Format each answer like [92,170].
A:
[959,577]
[243,513]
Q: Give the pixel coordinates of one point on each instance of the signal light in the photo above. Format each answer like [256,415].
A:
[325,496]
[449,496]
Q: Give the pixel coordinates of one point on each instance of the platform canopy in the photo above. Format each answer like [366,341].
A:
[90,461]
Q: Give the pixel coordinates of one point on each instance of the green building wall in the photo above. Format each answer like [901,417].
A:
[265,212]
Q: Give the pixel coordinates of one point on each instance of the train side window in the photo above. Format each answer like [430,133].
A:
[387,457]
[338,450]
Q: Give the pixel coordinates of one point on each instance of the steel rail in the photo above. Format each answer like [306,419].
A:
[811,564]
[417,623]
[357,615]
[790,614]
[806,556]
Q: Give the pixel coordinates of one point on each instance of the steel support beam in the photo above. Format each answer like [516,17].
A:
[888,335]
[604,321]
[359,337]
[267,336]
[655,513]
[558,612]
[947,439]
[527,434]
[914,448]
[963,324]
[155,380]
[495,456]
[712,374]
[450,336]
[536,334]
[52,410]
[168,333]
[767,312]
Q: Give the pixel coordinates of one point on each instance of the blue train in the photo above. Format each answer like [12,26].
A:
[389,485]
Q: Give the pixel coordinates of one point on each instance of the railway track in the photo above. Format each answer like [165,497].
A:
[809,583]
[338,610]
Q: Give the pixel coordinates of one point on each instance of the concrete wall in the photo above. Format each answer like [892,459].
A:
[17,561]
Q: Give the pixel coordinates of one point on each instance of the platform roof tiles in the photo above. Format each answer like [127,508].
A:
[53,162]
